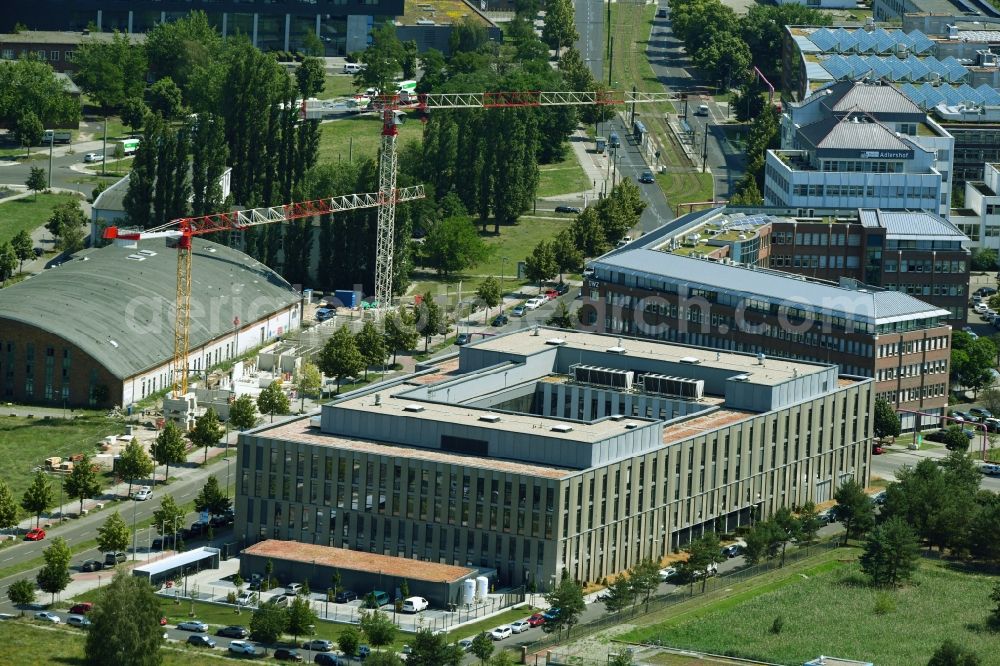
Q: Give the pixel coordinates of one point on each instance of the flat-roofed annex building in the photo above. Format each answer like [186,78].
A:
[537,452]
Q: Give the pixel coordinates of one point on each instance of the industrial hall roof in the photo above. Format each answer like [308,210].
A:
[115,303]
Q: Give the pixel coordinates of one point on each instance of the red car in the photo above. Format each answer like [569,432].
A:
[536,620]
[877,450]
[82,608]
[35,534]
[551,294]
[163,621]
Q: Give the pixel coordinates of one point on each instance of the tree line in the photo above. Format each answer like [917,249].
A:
[32,98]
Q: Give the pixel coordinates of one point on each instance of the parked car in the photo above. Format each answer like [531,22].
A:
[293,589]
[112,559]
[93,157]
[345,596]
[519,311]
[534,303]
[82,608]
[201,640]
[197,529]
[536,620]
[551,294]
[193,625]
[829,516]
[415,604]
[287,654]
[363,652]
[980,413]
[668,574]
[964,416]
[646,177]
[702,110]
[246,598]
[735,550]
[879,498]
[92,565]
[551,614]
[708,571]
[318,645]
[562,288]
[567,209]
[233,631]
[465,644]
[463,339]
[221,521]
[501,633]
[46,616]
[242,647]
[519,626]
[78,621]
[877,450]
[328,659]
[35,534]
[991,469]
[985,291]
[142,494]
[165,541]
[500,320]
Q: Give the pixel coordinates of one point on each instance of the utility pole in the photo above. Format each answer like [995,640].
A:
[611,53]
[104,150]
[52,140]
[607,26]
[704,150]
[632,122]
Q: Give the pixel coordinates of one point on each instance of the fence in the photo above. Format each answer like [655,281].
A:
[681,594]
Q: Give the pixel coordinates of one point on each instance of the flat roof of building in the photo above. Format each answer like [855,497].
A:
[775,371]
[301,430]
[63,37]
[910,225]
[869,305]
[114,302]
[178,560]
[357,560]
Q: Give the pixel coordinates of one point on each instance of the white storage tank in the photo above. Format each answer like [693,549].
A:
[482,587]
[468,591]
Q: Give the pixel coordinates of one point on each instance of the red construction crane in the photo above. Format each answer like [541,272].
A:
[178,233]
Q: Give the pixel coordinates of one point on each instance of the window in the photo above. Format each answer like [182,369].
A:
[54,56]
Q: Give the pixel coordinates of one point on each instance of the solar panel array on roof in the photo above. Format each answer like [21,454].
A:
[900,37]
[863,42]
[918,68]
[884,43]
[921,42]
[823,39]
[955,71]
[846,41]
[927,96]
[860,40]
[855,66]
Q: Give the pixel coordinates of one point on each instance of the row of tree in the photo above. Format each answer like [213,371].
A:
[33,98]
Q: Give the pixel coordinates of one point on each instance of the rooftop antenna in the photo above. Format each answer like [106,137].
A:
[718,356]
[378,399]
[760,359]
[535,330]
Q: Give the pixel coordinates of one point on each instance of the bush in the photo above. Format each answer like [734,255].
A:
[777,625]
[884,604]
[231,597]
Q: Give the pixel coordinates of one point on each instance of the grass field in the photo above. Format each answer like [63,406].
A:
[564,177]
[365,131]
[28,213]
[337,85]
[33,440]
[832,611]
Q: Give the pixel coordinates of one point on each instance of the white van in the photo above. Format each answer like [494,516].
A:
[353,67]
[415,604]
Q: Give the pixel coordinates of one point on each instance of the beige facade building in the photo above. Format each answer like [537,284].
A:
[541,451]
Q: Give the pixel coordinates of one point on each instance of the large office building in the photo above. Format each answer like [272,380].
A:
[542,451]
[647,290]
[885,10]
[859,145]
[980,217]
[344,26]
[914,252]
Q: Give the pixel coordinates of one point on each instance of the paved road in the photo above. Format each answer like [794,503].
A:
[630,164]
[888,464]
[590,18]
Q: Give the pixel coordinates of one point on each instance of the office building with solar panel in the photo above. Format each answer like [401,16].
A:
[545,451]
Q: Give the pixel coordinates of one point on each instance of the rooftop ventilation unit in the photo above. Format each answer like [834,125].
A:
[490,418]
[631,426]
[562,427]
[616,417]
[314,421]
[589,374]
[556,342]
[146,253]
[136,257]
[615,350]
[691,360]
[413,408]
[675,387]
[741,378]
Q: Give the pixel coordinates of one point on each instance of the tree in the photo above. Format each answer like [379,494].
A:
[29,132]
[8,507]
[724,58]
[400,334]
[340,356]
[645,578]
[972,360]
[955,439]
[165,98]
[38,497]
[453,244]
[168,517]
[371,345]
[559,28]
[567,256]
[983,530]
[133,113]
[703,556]
[541,265]
[382,60]
[886,420]
[482,646]
[951,654]
[620,594]
[72,239]
[301,617]
[23,247]
[8,260]
[243,413]
[430,319]
[809,522]
[125,624]
[984,259]
[54,575]
[21,593]
[207,431]
[310,77]
[168,447]
[272,400]
[568,598]
[503,658]
[995,598]
[762,541]
[134,463]
[348,641]
[268,623]
[211,498]
[561,317]
[114,535]
[854,508]
[890,553]
[119,154]
[36,181]
[428,649]
[383,659]
[489,293]
[309,381]
[110,71]
[378,628]
[31,85]
[788,528]
[65,217]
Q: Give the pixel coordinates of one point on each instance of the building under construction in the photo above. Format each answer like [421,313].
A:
[98,330]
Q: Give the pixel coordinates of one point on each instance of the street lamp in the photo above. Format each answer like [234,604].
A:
[228,460]
[503,262]
[134,505]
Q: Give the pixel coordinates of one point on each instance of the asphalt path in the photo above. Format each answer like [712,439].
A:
[887,464]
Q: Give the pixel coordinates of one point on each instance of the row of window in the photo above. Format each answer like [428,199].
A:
[912,346]
[912,370]
[856,191]
[838,239]
[41,54]
[917,393]
[924,266]
[814,261]
[861,166]
[927,289]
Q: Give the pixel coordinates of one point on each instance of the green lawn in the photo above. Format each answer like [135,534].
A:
[27,214]
[366,131]
[564,177]
[27,442]
[337,85]
[832,611]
